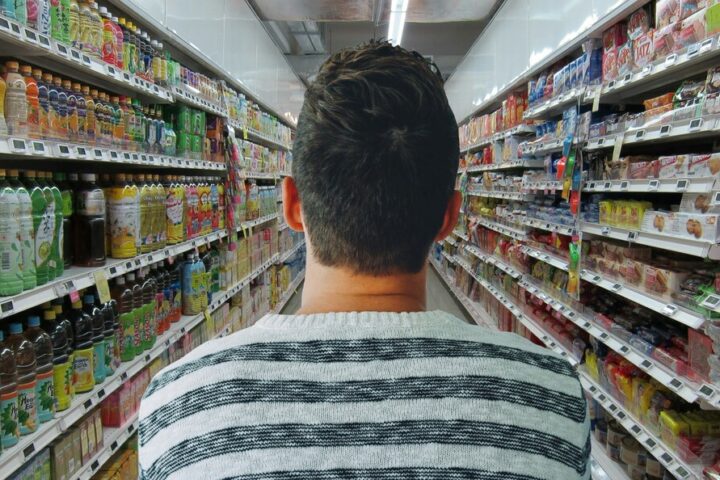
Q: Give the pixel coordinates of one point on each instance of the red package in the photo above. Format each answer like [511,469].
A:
[610,65]
[667,12]
[692,31]
[614,37]
[625,60]
[638,24]
[643,52]
[664,40]
[689,7]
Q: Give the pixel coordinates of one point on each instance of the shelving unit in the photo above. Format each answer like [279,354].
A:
[292,289]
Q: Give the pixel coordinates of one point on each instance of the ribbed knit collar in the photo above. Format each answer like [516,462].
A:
[357,320]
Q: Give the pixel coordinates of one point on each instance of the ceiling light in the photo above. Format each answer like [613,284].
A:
[398,10]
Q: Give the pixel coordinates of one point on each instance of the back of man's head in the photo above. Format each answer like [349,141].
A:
[375,159]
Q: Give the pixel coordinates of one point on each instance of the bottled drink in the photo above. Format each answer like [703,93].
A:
[170,146]
[83,359]
[59,95]
[150,304]
[73,118]
[65,322]
[59,238]
[127,58]
[21,11]
[175,269]
[174,210]
[118,123]
[90,119]
[166,298]
[33,102]
[9,428]
[3,91]
[98,337]
[25,362]
[159,216]
[80,112]
[193,285]
[125,119]
[138,313]
[38,15]
[123,205]
[99,118]
[147,238]
[66,196]
[97,30]
[59,20]
[16,107]
[11,278]
[62,379]
[89,223]
[109,45]
[27,232]
[85,34]
[110,342]
[54,212]
[48,93]
[119,35]
[193,212]
[43,226]
[45,385]
[122,293]
[42,104]
[7,8]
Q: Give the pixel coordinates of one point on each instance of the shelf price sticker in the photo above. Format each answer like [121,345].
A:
[653,185]
[670,59]
[693,50]
[17,145]
[4,24]
[695,124]
[665,130]
[61,50]
[30,36]
[68,288]
[101,283]
[681,185]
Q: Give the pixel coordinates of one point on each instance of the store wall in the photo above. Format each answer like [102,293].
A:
[229,33]
[521,34]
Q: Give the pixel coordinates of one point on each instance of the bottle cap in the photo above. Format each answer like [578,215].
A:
[29,173]
[15,327]
[34,320]
[49,315]
[12,65]
[103,10]
[114,19]
[37,72]
[2,335]
[58,309]
[77,305]
[120,280]
[26,70]
[2,172]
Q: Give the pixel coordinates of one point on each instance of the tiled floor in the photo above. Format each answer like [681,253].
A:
[438,298]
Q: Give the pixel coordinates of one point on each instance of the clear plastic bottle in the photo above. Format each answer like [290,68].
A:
[124,207]
[193,285]
[33,102]
[81,112]
[21,11]
[61,109]
[147,238]
[11,278]
[7,9]
[9,428]
[123,295]
[84,354]
[43,104]
[175,269]
[73,117]
[3,92]
[160,215]
[138,312]
[89,223]
[150,304]
[109,41]
[65,322]
[27,232]
[66,195]
[50,94]
[27,393]
[62,379]
[97,30]
[118,123]
[119,36]
[16,106]
[59,238]
[110,342]
[54,212]
[91,127]
[43,226]
[59,20]
[98,337]
[85,34]
[45,383]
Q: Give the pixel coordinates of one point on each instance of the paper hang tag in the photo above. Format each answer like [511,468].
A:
[617,148]
[596,100]
[102,286]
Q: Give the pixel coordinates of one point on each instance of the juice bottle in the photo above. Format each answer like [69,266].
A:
[90,120]
[27,232]
[42,104]
[73,118]
[109,338]
[98,337]
[99,118]
[25,362]
[85,34]
[33,11]
[125,43]
[84,355]
[124,206]
[118,39]
[9,427]
[221,204]
[166,295]
[174,210]
[61,372]
[108,119]
[124,297]
[67,325]
[3,91]
[59,95]
[7,8]
[15,100]
[160,126]
[150,131]
[160,225]
[147,56]
[142,310]
[214,206]
[48,104]
[175,270]
[45,384]
[132,50]
[80,111]
[59,13]
[125,127]
[145,123]
[118,123]
[193,204]
[33,102]
[109,45]
[11,278]
[59,238]
[149,288]
[43,226]
[170,145]
[66,195]
[89,223]
[97,30]
[56,216]
[193,281]
[207,209]
[146,214]
[156,62]
[117,333]
[138,312]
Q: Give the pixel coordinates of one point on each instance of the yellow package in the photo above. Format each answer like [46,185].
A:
[606,211]
[672,426]
[622,213]
[699,424]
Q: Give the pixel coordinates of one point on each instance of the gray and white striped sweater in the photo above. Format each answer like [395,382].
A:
[387,396]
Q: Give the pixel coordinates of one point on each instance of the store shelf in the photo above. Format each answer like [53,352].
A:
[284,256]
[461,235]
[33,150]
[548,226]
[113,439]
[554,106]
[493,260]
[476,312]
[543,147]
[262,175]
[249,224]
[697,248]
[516,130]
[518,196]
[514,164]
[76,278]
[604,468]
[549,185]
[450,241]
[645,437]
[669,309]
[190,96]
[664,185]
[546,257]
[291,290]
[505,230]
[252,135]
[450,258]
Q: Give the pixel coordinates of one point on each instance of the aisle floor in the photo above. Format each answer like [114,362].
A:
[438,298]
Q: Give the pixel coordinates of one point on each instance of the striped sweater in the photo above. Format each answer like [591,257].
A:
[389,396]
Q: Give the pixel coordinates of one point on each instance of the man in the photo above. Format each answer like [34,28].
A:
[363,383]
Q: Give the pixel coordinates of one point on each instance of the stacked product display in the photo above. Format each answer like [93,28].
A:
[596,235]
[146,229]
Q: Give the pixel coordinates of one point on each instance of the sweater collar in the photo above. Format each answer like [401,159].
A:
[357,320]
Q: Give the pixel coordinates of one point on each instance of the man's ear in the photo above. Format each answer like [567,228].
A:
[451,216]
[291,205]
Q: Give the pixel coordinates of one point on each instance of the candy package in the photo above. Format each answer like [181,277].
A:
[664,40]
[692,30]
[625,63]
[643,52]
[688,93]
[614,37]
[666,13]
[689,7]
[638,24]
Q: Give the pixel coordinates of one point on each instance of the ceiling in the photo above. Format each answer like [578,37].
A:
[308,31]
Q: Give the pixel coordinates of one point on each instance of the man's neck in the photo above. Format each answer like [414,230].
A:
[328,289]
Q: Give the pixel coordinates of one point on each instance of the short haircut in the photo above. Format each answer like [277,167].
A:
[375,159]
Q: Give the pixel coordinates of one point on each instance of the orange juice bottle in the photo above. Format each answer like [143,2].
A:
[33,102]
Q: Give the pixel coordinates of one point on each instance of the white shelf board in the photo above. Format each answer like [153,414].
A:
[284,256]
[546,257]
[663,185]
[518,196]
[548,226]
[511,232]
[185,94]
[514,164]
[521,129]
[252,135]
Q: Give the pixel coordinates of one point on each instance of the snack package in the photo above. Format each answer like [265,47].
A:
[666,12]
[655,221]
[641,170]
[664,40]
[692,31]
[638,24]
[712,92]
[614,37]
[625,62]
[698,226]
[643,52]
[633,272]
[689,7]
[662,281]
[713,13]
[698,203]
[688,93]
[704,165]
[673,166]
[610,65]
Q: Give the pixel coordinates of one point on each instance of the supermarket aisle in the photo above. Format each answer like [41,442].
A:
[438,298]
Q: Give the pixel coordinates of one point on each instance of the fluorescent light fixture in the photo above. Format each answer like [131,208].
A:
[398,10]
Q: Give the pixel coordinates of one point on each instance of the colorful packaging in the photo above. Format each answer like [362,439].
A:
[664,40]
[698,226]
[692,30]
[673,166]
[689,7]
[643,51]
[666,12]
[665,223]
[638,24]
[615,36]
[625,63]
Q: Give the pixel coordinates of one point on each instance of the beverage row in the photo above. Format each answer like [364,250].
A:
[246,112]
[49,222]
[40,105]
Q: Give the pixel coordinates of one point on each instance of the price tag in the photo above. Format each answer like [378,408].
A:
[653,185]
[114,155]
[670,59]
[695,125]
[61,50]
[627,78]
[665,130]
[135,157]
[639,134]
[126,77]
[650,443]
[706,391]
[29,450]
[15,28]
[601,141]
[17,145]
[143,157]
[670,310]
[4,24]
[675,384]
[98,154]
[711,301]
[681,185]
[30,36]
[632,236]
[86,60]
[123,376]
[616,287]
[102,286]
[82,152]
[75,55]
[693,50]
[611,85]
[624,185]
[647,70]
[38,148]
[6,307]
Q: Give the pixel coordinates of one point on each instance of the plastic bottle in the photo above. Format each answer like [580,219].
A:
[65,322]
[11,278]
[123,205]
[85,33]
[127,61]
[192,218]
[118,41]
[21,11]
[59,238]
[56,215]
[3,91]
[146,214]
[27,394]
[48,106]
[214,206]
[15,100]
[109,338]
[38,13]
[165,282]
[33,102]
[99,117]
[42,103]
[98,337]
[205,206]
[61,372]
[124,118]
[175,269]
[7,9]
[89,223]
[170,147]
[97,30]
[66,195]
[193,285]
[73,118]
[150,288]
[124,297]
[9,427]
[45,385]
[160,215]
[80,112]
[90,119]
[130,39]
[113,304]
[59,20]
[174,210]
[27,233]
[118,122]
[61,109]
[43,226]
[84,355]
[143,318]
[138,313]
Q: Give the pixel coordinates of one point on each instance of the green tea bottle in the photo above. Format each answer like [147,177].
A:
[52,210]
[11,280]
[59,239]
[27,232]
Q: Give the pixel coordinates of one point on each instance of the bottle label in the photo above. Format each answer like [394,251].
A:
[71,378]
[10,245]
[146,336]
[127,336]
[84,370]
[109,355]
[99,361]
[91,203]
[62,375]
[137,330]
[44,235]
[27,407]
[123,216]
[10,424]
[45,396]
